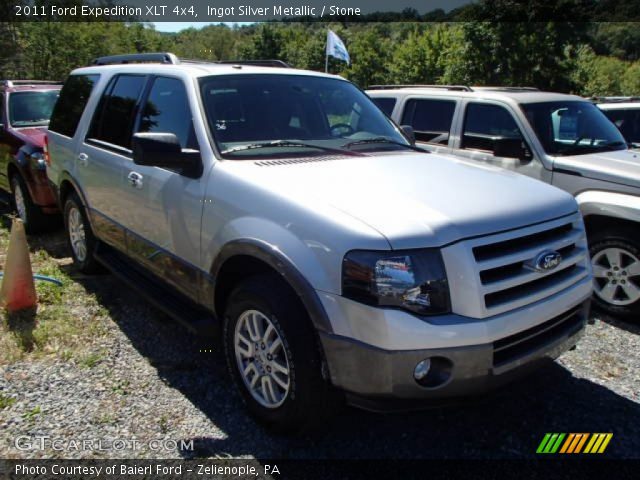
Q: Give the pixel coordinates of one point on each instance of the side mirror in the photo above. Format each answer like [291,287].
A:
[409,133]
[507,147]
[163,150]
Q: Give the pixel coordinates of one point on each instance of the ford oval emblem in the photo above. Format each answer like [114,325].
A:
[546,261]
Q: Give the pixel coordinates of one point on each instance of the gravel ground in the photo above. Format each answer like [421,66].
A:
[153,385]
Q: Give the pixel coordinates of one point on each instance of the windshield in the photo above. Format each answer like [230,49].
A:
[31,109]
[274,115]
[573,128]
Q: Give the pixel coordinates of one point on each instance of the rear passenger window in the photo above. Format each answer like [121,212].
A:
[385,104]
[113,120]
[167,110]
[627,121]
[73,98]
[485,123]
[430,119]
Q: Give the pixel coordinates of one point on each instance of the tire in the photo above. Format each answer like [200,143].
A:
[34,220]
[615,257]
[307,398]
[80,238]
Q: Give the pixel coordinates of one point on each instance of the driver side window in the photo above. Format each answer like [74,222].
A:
[167,110]
[485,124]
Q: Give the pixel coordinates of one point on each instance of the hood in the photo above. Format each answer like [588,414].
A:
[414,200]
[33,135]
[620,166]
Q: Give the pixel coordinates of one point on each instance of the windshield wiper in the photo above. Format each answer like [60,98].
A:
[286,143]
[366,141]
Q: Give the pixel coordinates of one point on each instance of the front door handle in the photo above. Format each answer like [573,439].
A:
[135,179]
[83,159]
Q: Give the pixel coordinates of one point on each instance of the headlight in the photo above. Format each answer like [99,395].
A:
[37,161]
[414,280]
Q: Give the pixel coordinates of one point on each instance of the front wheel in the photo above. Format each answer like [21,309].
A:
[615,257]
[31,215]
[273,355]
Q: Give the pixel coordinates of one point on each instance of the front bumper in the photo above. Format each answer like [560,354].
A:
[379,379]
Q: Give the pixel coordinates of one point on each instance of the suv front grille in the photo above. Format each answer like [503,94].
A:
[514,347]
[501,267]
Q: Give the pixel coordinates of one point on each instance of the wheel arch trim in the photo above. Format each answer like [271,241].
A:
[279,262]
[609,204]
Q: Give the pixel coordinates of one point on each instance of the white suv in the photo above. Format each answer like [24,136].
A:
[563,140]
[284,210]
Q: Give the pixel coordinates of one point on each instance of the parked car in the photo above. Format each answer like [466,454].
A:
[281,208]
[562,140]
[25,107]
[625,113]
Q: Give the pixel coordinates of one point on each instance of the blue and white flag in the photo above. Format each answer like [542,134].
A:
[336,48]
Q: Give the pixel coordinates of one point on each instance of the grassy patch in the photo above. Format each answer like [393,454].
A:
[91,359]
[32,414]
[6,401]
[68,319]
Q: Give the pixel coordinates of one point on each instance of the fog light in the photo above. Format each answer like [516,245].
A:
[433,372]
[422,369]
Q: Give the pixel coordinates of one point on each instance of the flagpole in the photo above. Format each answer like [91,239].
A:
[326,55]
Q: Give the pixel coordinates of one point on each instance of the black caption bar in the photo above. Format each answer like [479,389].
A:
[320,10]
[254,469]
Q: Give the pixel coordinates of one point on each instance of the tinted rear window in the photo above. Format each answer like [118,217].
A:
[385,104]
[114,117]
[71,103]
[627,121]
[430,119]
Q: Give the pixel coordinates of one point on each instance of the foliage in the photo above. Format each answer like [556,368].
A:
[564,56]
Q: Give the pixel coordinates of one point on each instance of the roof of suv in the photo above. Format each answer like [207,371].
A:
[28,85]
[199,69]
[516,95]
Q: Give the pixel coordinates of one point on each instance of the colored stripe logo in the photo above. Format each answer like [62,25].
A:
[574,443]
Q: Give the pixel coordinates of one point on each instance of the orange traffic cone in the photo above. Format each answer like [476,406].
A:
[18,290]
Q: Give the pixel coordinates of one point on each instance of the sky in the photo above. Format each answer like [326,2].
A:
[177,26]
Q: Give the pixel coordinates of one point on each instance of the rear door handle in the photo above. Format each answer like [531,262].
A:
[83,159]
[135,179]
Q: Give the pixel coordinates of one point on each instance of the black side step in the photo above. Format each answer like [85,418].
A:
[177,306]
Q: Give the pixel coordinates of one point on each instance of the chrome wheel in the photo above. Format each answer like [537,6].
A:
[18,197]
[76,234]
[616,273]
[261,359]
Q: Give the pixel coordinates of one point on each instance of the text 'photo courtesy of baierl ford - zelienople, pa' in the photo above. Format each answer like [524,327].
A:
[333,239]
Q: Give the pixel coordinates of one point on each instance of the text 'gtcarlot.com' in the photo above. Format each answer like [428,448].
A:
[25,443]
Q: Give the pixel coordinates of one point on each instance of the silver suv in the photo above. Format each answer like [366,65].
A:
[284,209]
[560,139]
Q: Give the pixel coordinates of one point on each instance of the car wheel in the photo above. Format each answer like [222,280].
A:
[32,217]
[79,235]
[615,257]
[274,357]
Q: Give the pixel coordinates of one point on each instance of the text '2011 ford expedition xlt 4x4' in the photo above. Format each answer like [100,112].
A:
[285,207]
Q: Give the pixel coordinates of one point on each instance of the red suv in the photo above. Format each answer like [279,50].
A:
[25,108]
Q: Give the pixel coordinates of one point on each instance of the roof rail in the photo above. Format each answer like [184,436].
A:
[13,83]
[460,88]
[167,58]
[507,89]
[597,99]
[256,63]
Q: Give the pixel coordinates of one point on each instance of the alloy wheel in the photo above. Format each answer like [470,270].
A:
[616,274]
[77,235]
[262,359]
